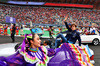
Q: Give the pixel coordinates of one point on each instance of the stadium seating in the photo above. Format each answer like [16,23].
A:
[51,15]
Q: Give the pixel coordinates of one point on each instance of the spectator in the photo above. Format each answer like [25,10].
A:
[50,32]
[92,30]
[21,31]
[5,29]
[79,30]
[47,15]
[13,33]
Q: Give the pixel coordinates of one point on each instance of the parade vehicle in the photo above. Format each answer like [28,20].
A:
[94,39]
[10,48]
[85,38]
[88,38]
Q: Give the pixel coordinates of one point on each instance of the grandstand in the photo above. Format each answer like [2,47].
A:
[51,15]
[45,15]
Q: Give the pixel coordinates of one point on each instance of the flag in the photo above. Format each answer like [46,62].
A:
[10,19]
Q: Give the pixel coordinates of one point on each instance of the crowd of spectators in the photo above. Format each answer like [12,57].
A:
[49,15]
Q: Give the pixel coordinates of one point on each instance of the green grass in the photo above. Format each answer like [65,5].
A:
[46,33]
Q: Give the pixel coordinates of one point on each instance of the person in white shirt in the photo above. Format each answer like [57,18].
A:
[79,30]
[92,30]
[46,44]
